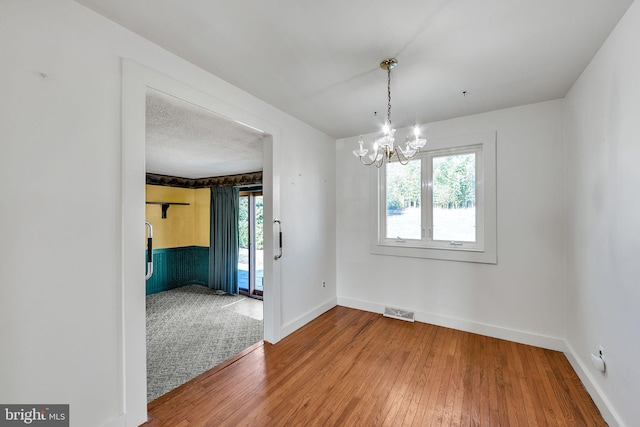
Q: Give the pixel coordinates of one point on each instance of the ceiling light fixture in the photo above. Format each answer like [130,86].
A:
[383,146]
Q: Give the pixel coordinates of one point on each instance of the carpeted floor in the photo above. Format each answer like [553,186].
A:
[192,329]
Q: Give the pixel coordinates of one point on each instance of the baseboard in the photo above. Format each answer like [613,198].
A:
[306,318]
[586,376]
[543,341]
[116,422]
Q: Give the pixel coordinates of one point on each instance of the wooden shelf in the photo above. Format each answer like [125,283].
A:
[165,206]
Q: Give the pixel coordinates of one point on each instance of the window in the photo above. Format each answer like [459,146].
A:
[440,205]
[250,242]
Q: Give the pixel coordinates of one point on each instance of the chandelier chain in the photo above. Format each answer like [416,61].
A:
[389,96]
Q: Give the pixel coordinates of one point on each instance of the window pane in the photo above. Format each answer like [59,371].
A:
[259,243]
[243,243]
[403,201]
[454,197]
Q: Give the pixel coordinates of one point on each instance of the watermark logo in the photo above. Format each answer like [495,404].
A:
[34,415]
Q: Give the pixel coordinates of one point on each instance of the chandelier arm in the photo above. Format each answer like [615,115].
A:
[406,161]
[372,161]
[365,163]
[399,153]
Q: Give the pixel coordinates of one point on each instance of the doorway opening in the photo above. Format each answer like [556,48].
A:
[137,80]
[196,314]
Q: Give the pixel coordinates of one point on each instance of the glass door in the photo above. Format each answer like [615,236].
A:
[250,232]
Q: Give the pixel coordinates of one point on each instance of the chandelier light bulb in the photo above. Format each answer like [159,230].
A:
[360,151]
[409,151]
[418,142]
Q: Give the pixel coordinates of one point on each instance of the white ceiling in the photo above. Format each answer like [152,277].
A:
[319,60]
[187,141]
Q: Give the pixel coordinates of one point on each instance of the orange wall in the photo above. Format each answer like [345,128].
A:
[184,225]
[202,207]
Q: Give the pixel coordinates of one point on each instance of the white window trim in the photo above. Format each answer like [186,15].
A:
[486,182]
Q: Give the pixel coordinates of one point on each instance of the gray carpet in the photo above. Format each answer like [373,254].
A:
[189,331]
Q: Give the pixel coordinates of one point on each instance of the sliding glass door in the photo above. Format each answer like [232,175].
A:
[250,256]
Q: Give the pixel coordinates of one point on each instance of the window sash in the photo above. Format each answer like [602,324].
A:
[383,207]
[427,226]
[428,220]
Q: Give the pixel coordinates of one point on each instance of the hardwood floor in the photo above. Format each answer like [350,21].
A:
[354,368]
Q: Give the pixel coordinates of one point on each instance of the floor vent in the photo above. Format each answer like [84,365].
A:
[398,313]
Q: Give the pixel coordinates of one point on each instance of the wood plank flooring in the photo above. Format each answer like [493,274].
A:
[354,368]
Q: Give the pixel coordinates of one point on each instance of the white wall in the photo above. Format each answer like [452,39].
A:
[603,219]
[522,297]
[307,185]
[60,190]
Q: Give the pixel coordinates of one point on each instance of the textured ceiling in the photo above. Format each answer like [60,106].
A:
[188,141]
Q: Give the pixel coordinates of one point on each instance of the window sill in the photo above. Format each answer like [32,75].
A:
[453,254]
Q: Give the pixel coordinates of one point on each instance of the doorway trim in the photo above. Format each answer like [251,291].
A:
[136,80]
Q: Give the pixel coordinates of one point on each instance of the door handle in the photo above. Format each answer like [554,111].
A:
[149,250]
[277,221]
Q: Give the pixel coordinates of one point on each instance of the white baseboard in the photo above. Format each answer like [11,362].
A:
[116,422]
[585,373]
[543,341]
[306,318]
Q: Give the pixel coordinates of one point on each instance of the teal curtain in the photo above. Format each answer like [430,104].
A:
[223,250]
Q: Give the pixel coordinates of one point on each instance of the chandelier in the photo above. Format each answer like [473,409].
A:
[383,146]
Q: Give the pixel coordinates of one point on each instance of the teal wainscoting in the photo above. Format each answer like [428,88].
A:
[176,267]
